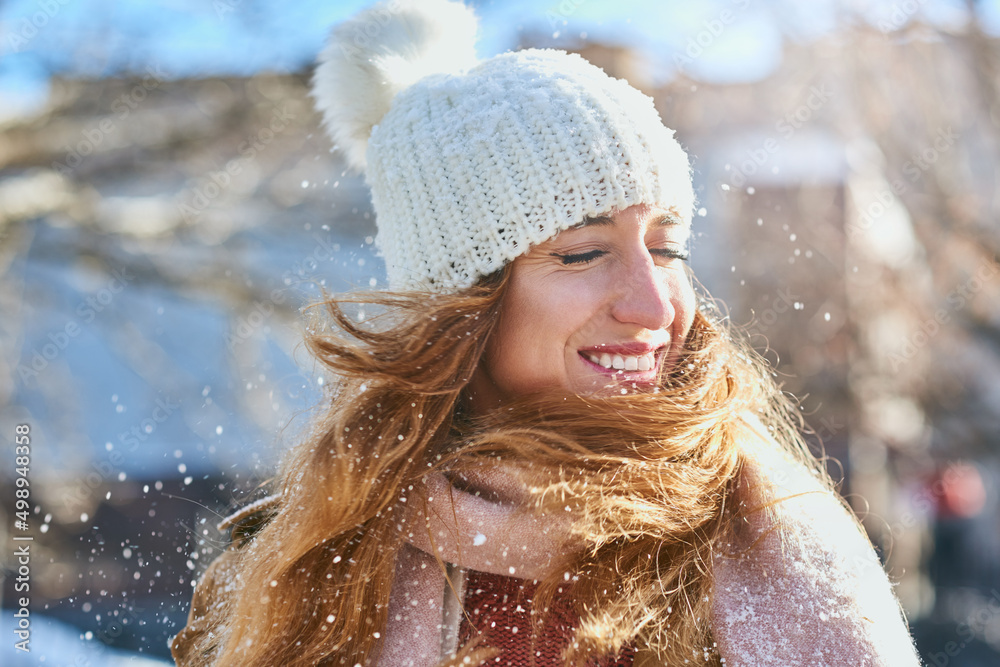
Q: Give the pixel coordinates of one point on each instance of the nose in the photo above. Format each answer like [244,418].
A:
[643,297]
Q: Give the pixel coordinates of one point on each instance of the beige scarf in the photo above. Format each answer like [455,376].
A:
[809,591]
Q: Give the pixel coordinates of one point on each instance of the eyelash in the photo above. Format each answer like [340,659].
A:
[581,258]
[586,257]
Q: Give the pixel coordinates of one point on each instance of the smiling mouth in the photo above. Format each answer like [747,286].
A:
[631,361]
[624,362]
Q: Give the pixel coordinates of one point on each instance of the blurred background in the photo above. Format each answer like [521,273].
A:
[168,204]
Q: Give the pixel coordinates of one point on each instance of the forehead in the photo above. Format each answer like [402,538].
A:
[653,218]
[664,222]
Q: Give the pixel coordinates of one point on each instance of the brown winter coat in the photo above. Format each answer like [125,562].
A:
[217,580]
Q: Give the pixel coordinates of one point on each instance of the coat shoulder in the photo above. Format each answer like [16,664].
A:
[246,522]
[197,642]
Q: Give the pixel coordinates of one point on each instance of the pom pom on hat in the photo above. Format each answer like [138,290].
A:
[381,51]
[471,164]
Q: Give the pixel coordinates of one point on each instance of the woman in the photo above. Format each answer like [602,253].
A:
[544,449]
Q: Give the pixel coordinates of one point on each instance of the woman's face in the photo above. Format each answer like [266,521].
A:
[600,307]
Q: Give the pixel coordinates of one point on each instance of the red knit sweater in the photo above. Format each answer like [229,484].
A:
[499,608]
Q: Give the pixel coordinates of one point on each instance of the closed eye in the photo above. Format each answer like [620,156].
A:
[670,253]
[581,258]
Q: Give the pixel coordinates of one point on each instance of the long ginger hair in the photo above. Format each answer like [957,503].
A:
[649,476]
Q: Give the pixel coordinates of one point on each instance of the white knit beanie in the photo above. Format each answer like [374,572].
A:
[470,164]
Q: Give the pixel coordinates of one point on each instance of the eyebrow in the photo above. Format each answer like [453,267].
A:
[668,218]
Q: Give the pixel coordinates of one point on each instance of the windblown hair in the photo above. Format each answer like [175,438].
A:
[649,476]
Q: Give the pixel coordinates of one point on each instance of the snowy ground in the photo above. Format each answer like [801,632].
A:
[61,645]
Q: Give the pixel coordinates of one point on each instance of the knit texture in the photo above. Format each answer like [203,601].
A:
[501,610]
[468,172]
[471,164]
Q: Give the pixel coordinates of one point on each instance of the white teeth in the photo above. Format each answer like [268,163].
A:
[624,363]
[603,360]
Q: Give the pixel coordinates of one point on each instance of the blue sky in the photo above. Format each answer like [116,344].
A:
[95,38]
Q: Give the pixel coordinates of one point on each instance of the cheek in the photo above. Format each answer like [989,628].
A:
[685,305]
[528,348]
[509,353]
